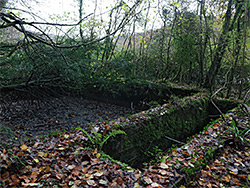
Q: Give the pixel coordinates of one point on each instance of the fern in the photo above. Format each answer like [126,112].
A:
[238,135]
[98,140]
[113,133]
[85,132]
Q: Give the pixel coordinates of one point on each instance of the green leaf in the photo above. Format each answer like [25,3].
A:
[113,133]
[85,132]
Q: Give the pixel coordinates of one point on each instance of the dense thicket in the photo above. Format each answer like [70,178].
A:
[204,43]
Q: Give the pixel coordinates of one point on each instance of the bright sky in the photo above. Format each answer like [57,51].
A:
[47,8]
[63,11]
[57,8]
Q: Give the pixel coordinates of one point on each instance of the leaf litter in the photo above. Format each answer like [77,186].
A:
[208,160]
[63,160]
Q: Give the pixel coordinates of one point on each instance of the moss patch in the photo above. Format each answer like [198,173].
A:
[136,92]
[148,129]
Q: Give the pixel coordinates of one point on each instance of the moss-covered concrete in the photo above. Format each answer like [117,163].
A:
[136,93]
[149,128]
[129,93]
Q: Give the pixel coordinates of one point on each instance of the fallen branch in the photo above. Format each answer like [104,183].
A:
[245,109]
[175,140]
[223,117]
[211,99]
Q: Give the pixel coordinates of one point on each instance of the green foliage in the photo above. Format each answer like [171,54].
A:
[123,165]
[155,155]
[154,104]
[239,136]
[20,161]
[185,49]
[5,129]
[181,50]
[71,69]
[98,140]
[148,129]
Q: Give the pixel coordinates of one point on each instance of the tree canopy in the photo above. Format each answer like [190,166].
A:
[203,43]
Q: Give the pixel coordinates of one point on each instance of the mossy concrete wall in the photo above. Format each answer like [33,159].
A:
[149,128]
[132,94]
[136,93]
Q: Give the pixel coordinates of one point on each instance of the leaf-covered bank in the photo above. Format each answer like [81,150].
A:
[160,126]
[64,160]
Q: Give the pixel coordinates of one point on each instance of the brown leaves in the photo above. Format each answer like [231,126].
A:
[63,161]
[230,166]
[5,175]
[205,173]
[163,166]
[24,147]
[60,176]
[226,178]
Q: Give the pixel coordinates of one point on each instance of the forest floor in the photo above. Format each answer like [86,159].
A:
[42,117]
[60,160]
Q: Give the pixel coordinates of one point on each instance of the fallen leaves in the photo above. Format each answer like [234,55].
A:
[24,147]
[31,184]
[62,160]
[91,182]
[42,154]
[226,178]
[230,168]
[147,180]
[163,166]
[233,171]
[234,174]
[57,161]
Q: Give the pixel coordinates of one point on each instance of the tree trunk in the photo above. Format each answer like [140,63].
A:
[222,44]
[168,66]
[202,48]
[243,72]
[80,17]
[236,53]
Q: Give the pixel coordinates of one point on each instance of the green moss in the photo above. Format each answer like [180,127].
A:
[184,119]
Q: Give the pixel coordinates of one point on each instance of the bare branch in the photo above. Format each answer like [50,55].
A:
[11,20]
[20,21]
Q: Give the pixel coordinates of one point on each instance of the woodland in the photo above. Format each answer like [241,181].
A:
[134,93]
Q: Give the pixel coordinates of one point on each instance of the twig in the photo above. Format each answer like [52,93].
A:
[175,140]
[245,97]
[218,91]
[178,181]
[245,109]
[223,117]
[224,86]
[211,99]
[21,21]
